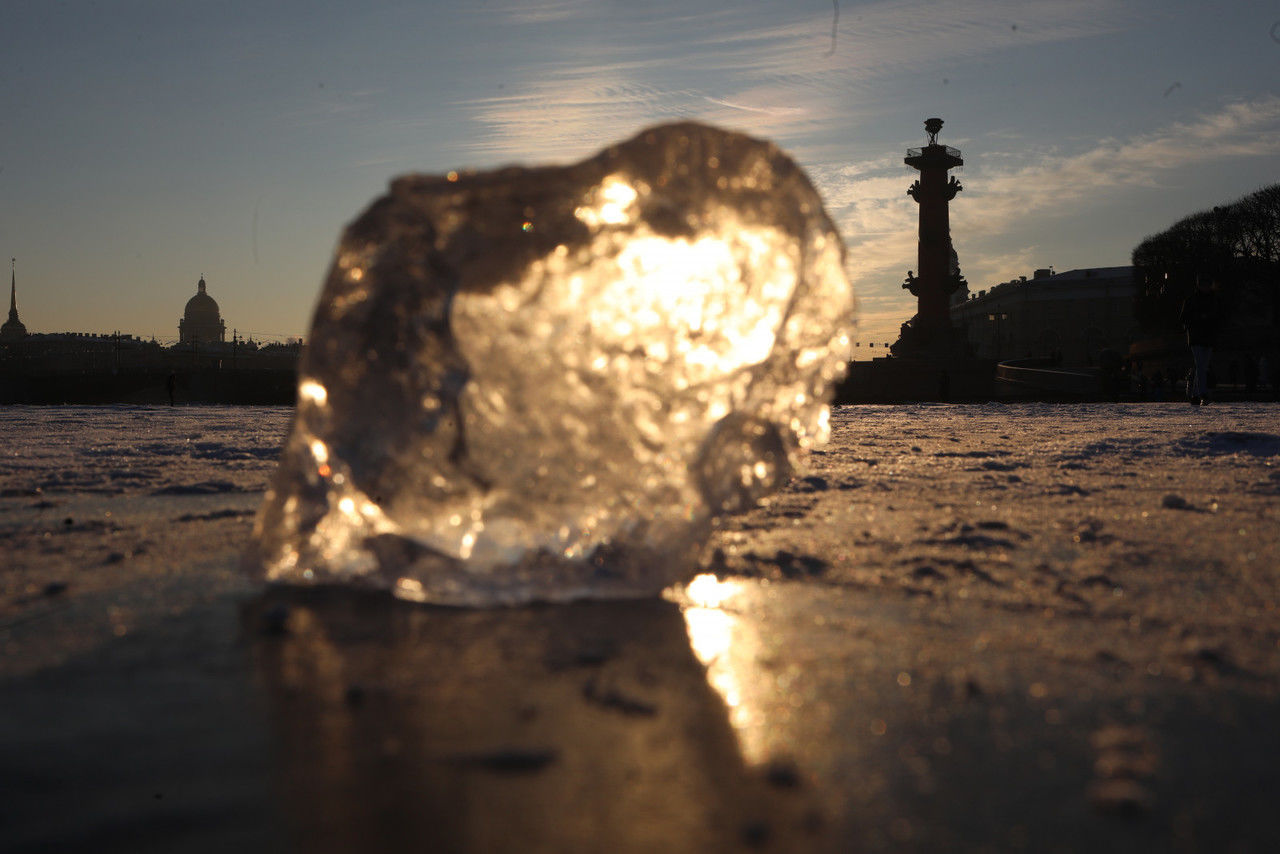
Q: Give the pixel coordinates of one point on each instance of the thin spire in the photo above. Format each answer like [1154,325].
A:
[13,330]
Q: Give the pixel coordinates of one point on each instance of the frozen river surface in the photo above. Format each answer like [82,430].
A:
[964,627]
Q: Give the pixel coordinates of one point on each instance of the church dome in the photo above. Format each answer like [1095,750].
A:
[202,307]
[201,321]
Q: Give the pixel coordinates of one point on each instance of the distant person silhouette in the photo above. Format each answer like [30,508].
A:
[171,384]
[1158,384]
[1111,373]
[1199,317]
[1264,372]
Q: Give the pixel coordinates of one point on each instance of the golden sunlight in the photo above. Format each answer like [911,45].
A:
[728,647]
[611,206]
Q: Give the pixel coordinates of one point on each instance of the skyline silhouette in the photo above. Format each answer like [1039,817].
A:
[146,143]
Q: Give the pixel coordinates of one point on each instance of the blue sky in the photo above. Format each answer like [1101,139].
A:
[147,143]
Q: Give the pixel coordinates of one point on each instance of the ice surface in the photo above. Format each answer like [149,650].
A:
[127,451]
[544,384]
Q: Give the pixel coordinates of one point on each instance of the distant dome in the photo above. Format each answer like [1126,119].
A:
[202,308]
[201,321]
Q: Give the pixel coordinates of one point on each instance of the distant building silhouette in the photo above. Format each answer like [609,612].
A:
[201,323]
[1073,315]
[90,368]
[13,330]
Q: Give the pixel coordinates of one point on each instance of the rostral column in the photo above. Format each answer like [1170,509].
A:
[930,330]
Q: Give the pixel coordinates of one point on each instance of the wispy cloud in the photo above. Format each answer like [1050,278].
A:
[547,11]
[755,108]
[777,78]
[331,105]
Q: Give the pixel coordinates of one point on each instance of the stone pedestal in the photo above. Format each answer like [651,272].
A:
[913,380]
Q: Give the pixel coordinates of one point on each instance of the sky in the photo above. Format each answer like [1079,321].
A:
[146,143]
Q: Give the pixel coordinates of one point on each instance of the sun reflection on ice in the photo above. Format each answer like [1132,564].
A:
[729,647]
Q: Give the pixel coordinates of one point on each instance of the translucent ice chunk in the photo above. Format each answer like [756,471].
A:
[543,384]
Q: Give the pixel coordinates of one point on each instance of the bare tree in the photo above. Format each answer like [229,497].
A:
[1237,243]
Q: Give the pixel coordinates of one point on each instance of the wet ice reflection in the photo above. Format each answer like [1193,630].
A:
[728,645]
[584,727]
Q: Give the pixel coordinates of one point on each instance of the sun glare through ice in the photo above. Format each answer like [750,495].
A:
[312,392]
[611,204]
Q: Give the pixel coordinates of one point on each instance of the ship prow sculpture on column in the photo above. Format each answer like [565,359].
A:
[929,334]
[931,360]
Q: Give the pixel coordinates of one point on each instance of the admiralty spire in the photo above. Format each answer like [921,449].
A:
[13,330]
